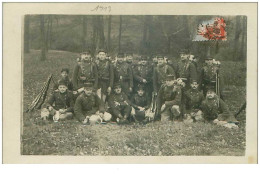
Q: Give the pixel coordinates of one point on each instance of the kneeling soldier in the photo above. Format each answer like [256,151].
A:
[141,103]
[89,108]
[60,104]
[169,99]
[119,105]
[214,108]
[192,102]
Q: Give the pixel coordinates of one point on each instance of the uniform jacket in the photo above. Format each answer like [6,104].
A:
[141,72]
[86,71]
[211,108]
[169,96]
[159,75]
[125,71]
[192,99]
[142,101]
[105,71]
[87,105]
[61,100]
[120,98]
[186,70]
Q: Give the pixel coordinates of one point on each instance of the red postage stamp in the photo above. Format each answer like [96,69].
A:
[211,30]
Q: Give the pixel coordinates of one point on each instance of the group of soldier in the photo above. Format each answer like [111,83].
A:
[141,89]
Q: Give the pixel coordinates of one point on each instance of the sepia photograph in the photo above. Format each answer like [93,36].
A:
[104,82]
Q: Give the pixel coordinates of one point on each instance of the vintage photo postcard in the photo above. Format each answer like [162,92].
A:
[130,82]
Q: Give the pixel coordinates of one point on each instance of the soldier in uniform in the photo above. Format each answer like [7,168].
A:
[85,72]
[169,99]
[60,104]
[65,78]
[120,106]
[192,102]
[160,73]
[105,74]
[214,108]
[140,102]
[143,73]
[124,74]
[185,69]
[209,74]
[89,108]
[129,58]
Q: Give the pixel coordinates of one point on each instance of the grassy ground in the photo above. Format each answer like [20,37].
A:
[73,138]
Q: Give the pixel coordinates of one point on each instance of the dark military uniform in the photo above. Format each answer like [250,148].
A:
[105,75]
[68,84]
[159,75]
[187,72]
[124,76]
[142,72]
[87,106]
[119,105]
[215,108]
[208,79]
[171,96]
[192,100]
[140,101]
[61,101]
[86,72]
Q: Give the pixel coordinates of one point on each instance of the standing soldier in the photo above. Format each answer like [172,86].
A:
[129,59]
[124,74]
[143,73]
[160,73]
[185,69]
[192,102]
[169,99]
[85,71]
[105,74]
[89,108]
[210,77]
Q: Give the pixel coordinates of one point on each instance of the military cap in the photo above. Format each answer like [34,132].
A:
[160,56]
[120,55]
[102,50]
[170,77]
[88,85]
[140,87]
[211,89]
[62,82]
[86,52]
[117,85]
[65,69]
[143,57]
[209,58]
[184,51]
[129,54]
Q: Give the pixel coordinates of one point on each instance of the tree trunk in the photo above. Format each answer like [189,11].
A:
[50,36]
[243,43]
[101,32]
[119,38]
[236,40]
[109,33]
[216,47]
[94,38]
[43,42]
[26,33]
[84,32]
[47,35]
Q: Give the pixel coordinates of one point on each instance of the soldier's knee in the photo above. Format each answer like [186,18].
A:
[175,109]
[45,113]
[94,119]
[107,116]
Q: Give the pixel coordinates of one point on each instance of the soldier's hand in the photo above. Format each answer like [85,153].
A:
[141,108]
[163,107]
[83,78]
[130,89]
[75,92]
[101,115]
[144,81]
[109,90]
[50,108]
[62,111]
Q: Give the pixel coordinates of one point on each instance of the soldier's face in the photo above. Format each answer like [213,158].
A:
[169,83]
[184,56]
[194,85]
[191,57]
[160,61]
[129,58]
[64,74]
[86,57]
[155,60]
[88,91]
[119,59]
[210,94]
[118,90]
[140,92]
[102,55]
[62,88]
[143,62]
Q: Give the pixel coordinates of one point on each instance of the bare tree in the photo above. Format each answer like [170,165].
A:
[244,37]
[84,32]
[43,42]
[236,40]
[26,33]
[120,30]
[109,33]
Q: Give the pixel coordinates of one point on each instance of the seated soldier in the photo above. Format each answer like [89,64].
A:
[65,78]
[141,103]
[119,105]
[89,108]
[215,109]
[192,100]
[169,99]
[60,104]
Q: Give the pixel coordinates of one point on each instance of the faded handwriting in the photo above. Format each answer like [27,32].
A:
[102,8]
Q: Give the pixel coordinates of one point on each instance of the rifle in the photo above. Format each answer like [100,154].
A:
[217,85]
[243,107]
